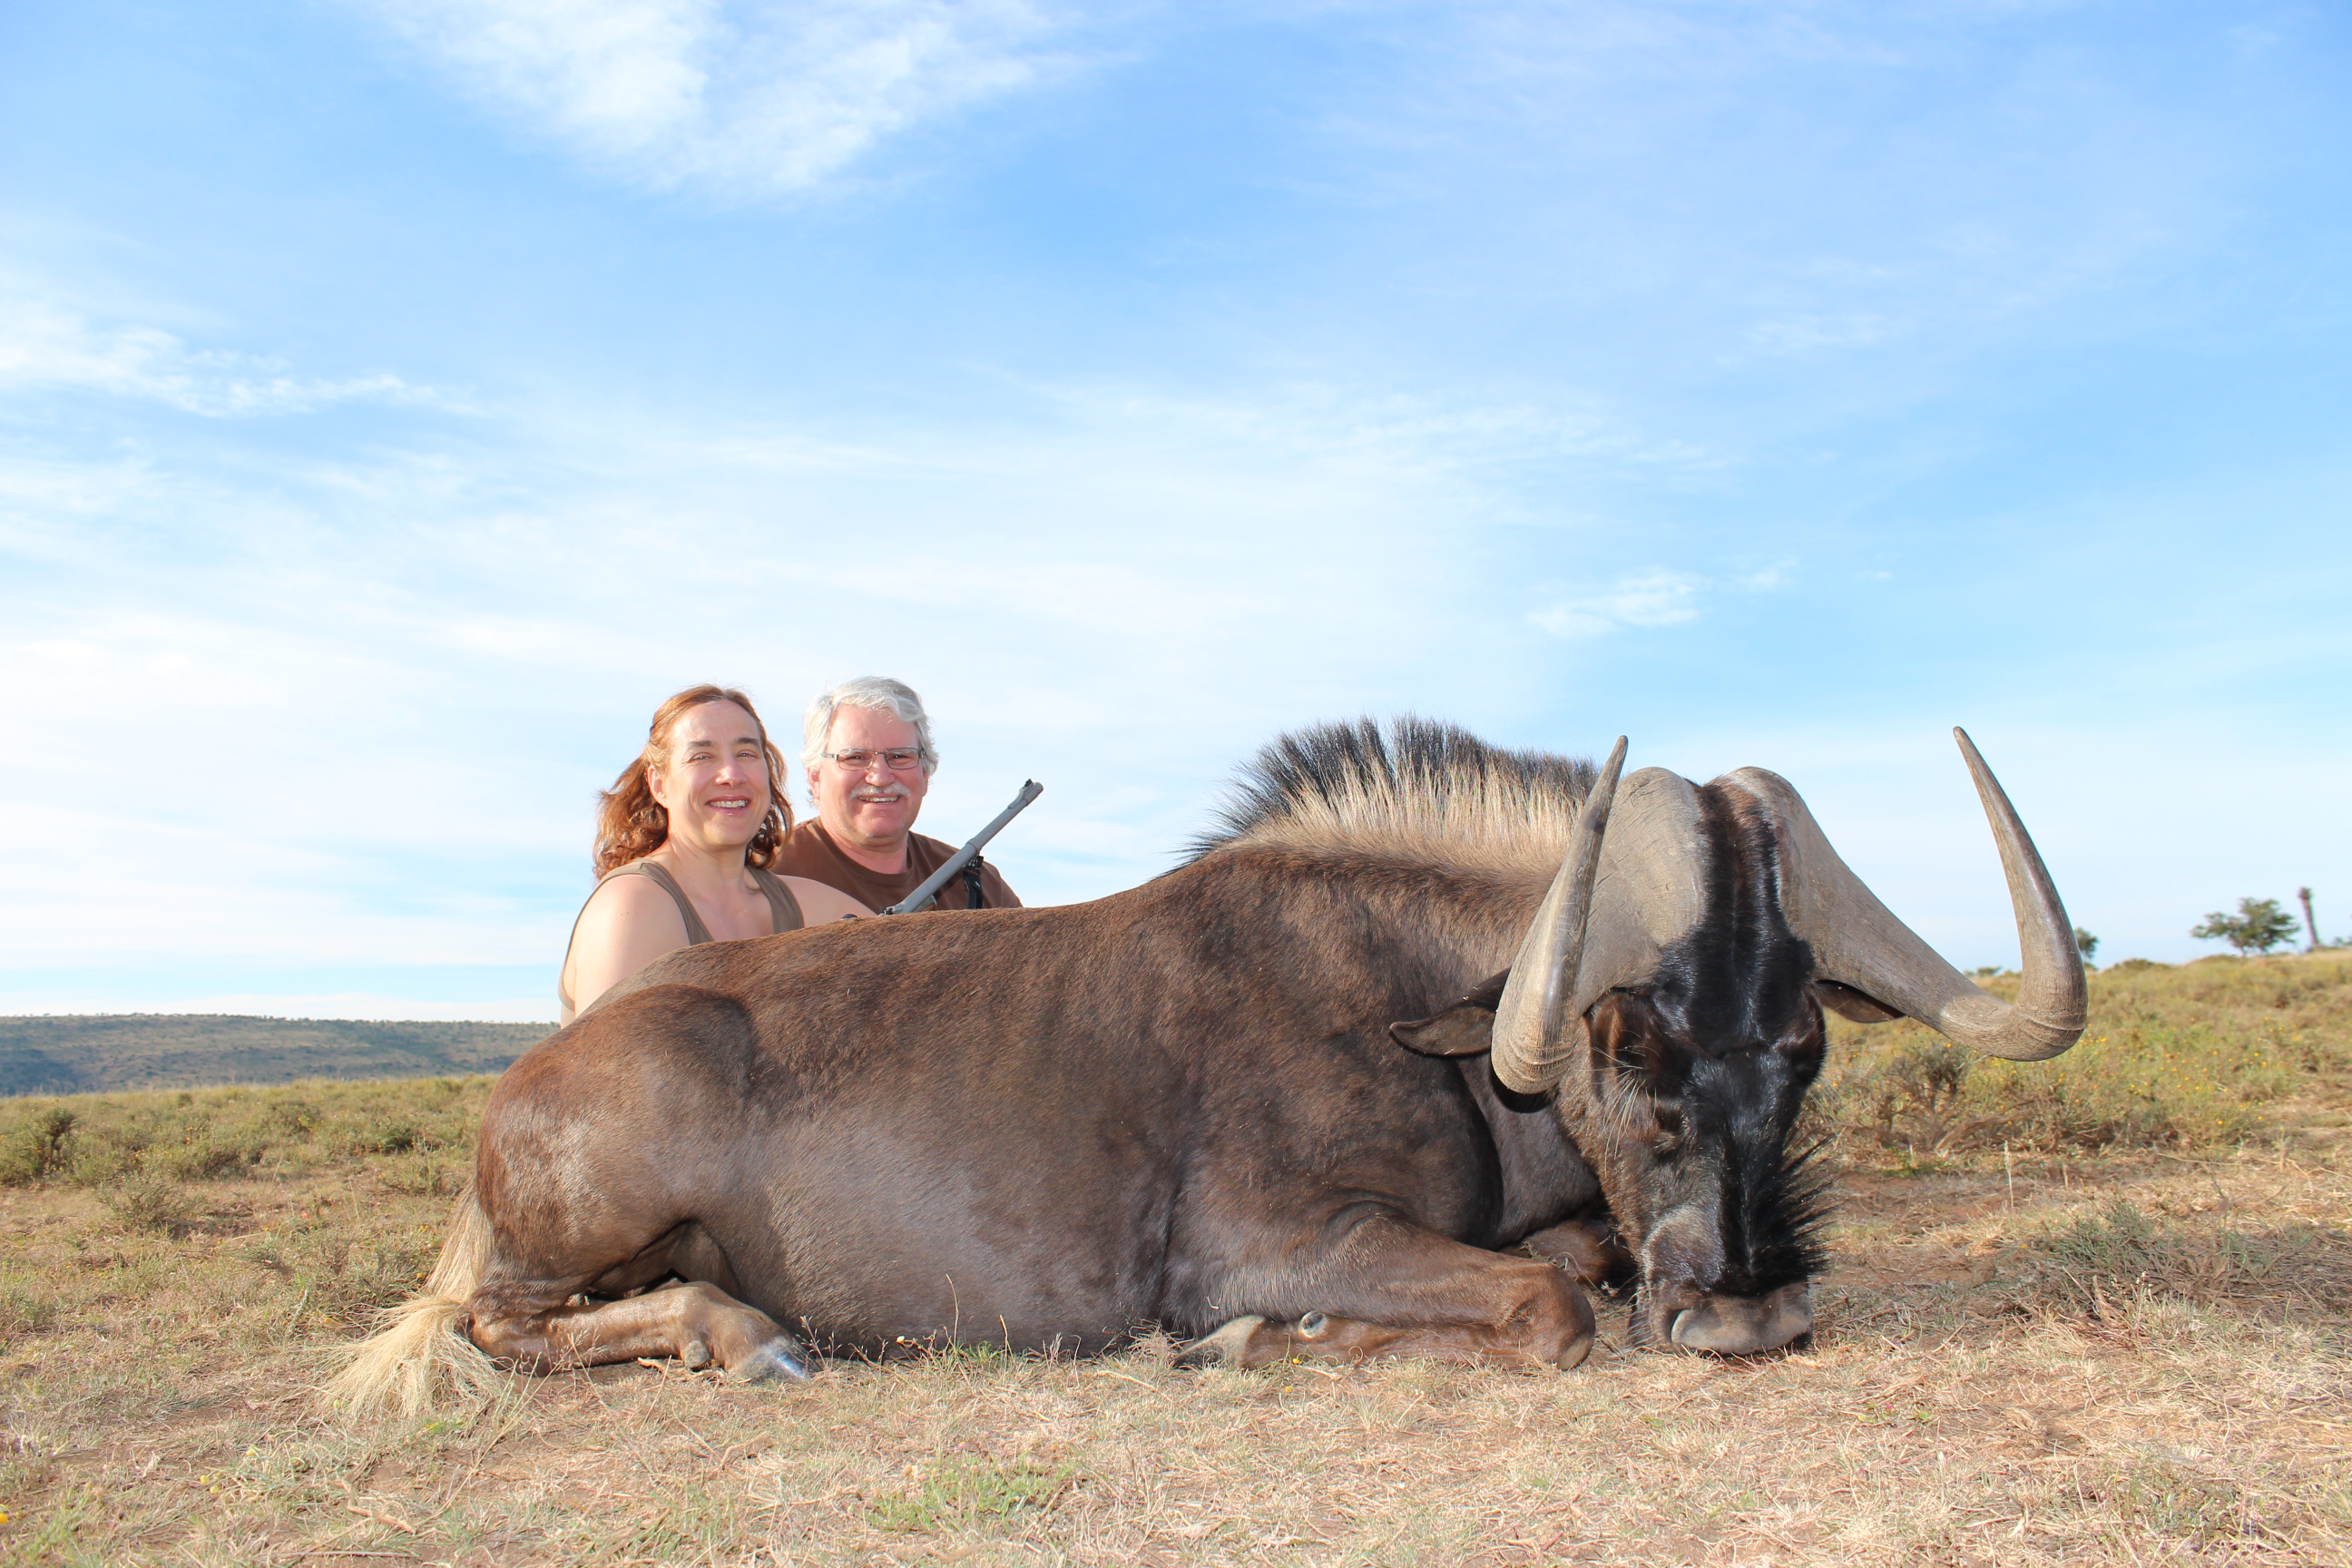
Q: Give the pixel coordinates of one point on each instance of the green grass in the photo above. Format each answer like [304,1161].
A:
[2184,1057]
[959,1492]
[118,1141]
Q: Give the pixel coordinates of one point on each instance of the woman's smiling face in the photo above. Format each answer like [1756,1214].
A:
[715,784]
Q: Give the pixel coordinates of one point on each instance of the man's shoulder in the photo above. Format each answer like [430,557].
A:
[927,853]
[806,837]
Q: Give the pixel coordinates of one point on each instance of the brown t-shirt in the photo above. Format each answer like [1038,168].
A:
[809,851]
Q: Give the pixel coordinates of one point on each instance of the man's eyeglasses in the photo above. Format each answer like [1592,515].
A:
[898,761]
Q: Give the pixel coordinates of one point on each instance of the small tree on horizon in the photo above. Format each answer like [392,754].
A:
[2087,943]
[2310,921]
[2260,925]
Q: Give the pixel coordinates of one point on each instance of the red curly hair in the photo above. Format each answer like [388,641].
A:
[631,823]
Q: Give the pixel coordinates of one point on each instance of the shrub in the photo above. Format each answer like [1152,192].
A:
[386,1135]
[2099,1259]
[2185,1057]
[212,1156]
[151,1203]
[38,1148]
[23,1311]
[97,1140]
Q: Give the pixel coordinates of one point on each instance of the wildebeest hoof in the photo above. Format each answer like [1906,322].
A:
[1743,1325]
[774,1362]
[1311,1326]
[1227,1345]
[695,1355]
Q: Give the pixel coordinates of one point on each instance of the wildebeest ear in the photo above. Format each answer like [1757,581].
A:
[1848,1003]
[1456,1032]
[1464,1029]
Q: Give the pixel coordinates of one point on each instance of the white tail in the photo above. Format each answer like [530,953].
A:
[419,1356]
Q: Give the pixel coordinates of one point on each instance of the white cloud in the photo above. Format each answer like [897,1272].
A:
[43,347]
[1657,598]
[1800,334]
[1393,434]
[738,98]
[387,683]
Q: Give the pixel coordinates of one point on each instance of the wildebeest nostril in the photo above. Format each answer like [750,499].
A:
[1743,1325]
[1312,1325]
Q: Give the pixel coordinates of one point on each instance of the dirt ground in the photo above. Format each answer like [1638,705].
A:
[2132,1358]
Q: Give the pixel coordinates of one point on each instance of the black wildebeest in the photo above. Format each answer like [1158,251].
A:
[1186,1105]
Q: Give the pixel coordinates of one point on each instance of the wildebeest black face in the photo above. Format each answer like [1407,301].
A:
[1685,1114]
[1689,1132]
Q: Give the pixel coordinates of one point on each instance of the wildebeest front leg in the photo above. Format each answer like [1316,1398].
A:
[1393,1290]
[1588,1249]
[697,1323]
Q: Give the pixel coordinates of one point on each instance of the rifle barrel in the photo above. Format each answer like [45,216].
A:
[1030,790]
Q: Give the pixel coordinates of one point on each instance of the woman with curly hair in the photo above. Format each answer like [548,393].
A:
[683,840]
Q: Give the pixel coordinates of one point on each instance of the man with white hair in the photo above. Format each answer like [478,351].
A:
[866,744]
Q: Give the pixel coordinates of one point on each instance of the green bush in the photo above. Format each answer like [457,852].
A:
[41,1145]
[151,1203]
[25,1311]
[98,1140]
[2184,1057]
[211,1156]
[386,1135]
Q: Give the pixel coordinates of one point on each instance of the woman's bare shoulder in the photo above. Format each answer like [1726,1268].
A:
[821,903]
[626,901]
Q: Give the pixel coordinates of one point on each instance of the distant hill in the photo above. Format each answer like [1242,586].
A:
[69,1054]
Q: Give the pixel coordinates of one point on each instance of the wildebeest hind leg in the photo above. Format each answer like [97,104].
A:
[696,1323]
[1393,1290]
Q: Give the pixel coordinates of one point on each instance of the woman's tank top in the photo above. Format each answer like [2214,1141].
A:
[783,915]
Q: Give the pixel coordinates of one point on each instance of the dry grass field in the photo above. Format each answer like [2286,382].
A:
[2093,1311]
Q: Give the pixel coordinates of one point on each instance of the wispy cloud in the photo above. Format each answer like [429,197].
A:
[377,617]
[1806,333]
[1657,598]
[45,348]
[1421,432]
[740,98]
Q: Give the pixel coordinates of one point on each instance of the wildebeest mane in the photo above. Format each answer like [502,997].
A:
[1414,789]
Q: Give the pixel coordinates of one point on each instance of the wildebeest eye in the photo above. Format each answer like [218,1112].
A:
[1669,1118]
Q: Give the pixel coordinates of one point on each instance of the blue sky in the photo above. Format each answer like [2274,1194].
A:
[397,400]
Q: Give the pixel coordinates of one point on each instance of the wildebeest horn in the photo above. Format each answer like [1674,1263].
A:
[1533,1018]
[1859,944]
